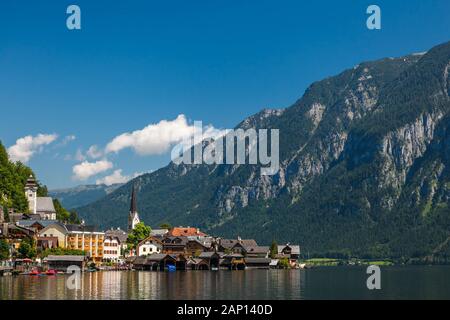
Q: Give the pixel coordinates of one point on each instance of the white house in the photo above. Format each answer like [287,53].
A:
[112,249]
[149,246]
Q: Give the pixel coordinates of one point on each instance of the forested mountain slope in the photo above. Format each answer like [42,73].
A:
[365,160]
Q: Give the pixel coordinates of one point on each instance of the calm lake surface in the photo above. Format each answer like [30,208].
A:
[412,282]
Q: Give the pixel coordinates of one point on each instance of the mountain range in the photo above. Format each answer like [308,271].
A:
[82,195]
[364,170]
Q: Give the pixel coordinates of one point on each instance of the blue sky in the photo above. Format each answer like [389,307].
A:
[135,63]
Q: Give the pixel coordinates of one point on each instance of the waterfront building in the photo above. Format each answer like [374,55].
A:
[236,246]
[257,263]
[16,234]
[291,252]
[233,261]
[112,249]
[61,263]
[122,236]
[43,243]
[195,247]
[55,230]
[257,252]
[87,239]
[148,246]
[174,245]
[156,262]
[212,260]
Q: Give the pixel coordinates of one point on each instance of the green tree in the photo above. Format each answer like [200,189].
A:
[140,232]
[27,249]
[273,249]
[13,177]
[5,213]
[284,263]
[4,249]
[73,217]
[42,191]
[62,252]
[166,225]
[61,213]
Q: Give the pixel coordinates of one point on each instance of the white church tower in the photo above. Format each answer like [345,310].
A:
[31,188]
[133,216]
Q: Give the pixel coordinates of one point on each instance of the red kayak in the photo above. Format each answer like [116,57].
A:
[34,273]
[51,272]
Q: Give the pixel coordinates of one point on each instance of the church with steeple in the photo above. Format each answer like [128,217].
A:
[133,216]
[40,207]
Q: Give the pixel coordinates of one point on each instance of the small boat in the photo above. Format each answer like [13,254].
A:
[51,272]
[34,273]
[171,268]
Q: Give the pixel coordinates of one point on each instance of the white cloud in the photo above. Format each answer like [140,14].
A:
[79,156]
[68,139]
[85,170]
[27,146]
[155,139]
[94,153]
[117,177]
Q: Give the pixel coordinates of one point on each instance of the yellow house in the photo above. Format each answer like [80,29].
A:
[77,237]
[87,239]
[57,230]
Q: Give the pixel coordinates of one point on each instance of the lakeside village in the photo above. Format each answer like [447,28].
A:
[38,244]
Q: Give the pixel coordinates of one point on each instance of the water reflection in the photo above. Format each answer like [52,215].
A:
[326,283]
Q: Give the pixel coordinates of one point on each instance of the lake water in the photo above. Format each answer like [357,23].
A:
[411,282]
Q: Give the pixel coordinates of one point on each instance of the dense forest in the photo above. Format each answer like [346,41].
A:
[13,177]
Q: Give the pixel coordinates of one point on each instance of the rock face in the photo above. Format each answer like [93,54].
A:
[364,160]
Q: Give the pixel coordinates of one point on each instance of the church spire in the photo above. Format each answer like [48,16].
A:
[133,207]
[133,216]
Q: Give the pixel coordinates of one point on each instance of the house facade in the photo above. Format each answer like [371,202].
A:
[174,245]
[149,246]
[85,238]
[112,250]
[55,230]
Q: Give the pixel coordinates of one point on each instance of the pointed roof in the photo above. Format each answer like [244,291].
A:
[133,207]
[31,182]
